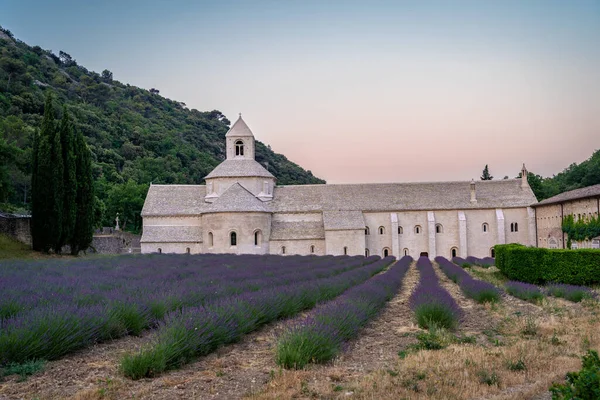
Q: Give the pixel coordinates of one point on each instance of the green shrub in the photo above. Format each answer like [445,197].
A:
[538,266]
[583,385]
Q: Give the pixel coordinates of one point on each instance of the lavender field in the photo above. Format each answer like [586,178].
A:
[51,308]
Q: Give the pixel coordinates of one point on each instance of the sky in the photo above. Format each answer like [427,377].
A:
[371,91]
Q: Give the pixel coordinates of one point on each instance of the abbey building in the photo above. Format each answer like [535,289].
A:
[242,210]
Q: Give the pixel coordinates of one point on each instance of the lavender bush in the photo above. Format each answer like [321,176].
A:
[524,291]
[50,308]
[479,291]
[433,306]
[320,336]
[196,331]
[570,292]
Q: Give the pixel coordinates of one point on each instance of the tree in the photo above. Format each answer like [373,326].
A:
[69,213]
[66,59]
[12,67]
[486,174]
[83,230]
[107,76]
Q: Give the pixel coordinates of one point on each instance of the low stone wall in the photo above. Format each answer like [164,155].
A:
[16,226]
[110,241]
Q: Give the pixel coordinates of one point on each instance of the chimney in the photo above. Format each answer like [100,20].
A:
[473,196]
[524,182]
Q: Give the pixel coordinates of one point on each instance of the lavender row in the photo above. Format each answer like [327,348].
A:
[533,293]
[477,290]
[196,331]
[433,305]
[484,262]
[319,337]
[58,328]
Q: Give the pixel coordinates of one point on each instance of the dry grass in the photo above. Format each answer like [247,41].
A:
[535,350]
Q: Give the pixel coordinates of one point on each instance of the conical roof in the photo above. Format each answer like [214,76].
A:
[239,129]
[237,199]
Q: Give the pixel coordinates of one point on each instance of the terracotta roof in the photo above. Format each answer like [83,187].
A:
[590,191]
[401,196]
[174,200]
[239,168]
[283,230]
[343,220]
[239,128]
[236,199]
[164,233]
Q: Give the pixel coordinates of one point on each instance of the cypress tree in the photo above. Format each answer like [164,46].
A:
[69,211]
[84,223]
[44,196]
[35,238]
[57,191]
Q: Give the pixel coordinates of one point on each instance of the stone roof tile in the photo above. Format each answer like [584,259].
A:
[239,168]
[236,199]
[239,128]
[343,220]
[589,191]
[174,200]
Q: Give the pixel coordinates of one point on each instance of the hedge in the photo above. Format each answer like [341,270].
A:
[538,266]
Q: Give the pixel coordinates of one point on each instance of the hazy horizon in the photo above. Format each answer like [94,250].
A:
[357,93]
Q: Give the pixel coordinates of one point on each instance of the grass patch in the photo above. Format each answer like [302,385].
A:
[24,369]
[11,248]
[435,315]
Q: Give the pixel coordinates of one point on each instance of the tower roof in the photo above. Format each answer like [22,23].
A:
[239,129]
[238,169]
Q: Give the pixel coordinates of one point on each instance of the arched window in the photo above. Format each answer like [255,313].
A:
[400,230]
[516,227]
[386,252]
[485,227]
[418,229]
[233,239]
[439,228]
[367,253]
[239,148]
[512,227]
[493,252]
[210,239]
[381,230]
[159,250]
[187,250]
[282,249]
[312,249]
[367,230]
[257,237]
[345,251]
[453,252]
[405,252]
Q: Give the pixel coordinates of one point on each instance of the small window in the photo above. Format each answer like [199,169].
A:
[400,230]
[367,253]
[233,239]
[210,239]
[439,228]
[386,252]
[453,252]
[159,250]
[367,231]
[345,251]
[493,252]
[516,227]
[312,249]
[282,249]
[257,237]
[405,252]
[381,230]
[512,227]
[187,250]
[239,148]
[418,229]
[485,227]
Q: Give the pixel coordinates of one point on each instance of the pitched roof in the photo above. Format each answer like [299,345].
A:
[239,168]
[284,230]
[236,199]
[589,191]
[164,233]
[401,196]
[343,220]
[174,200]
[239,128]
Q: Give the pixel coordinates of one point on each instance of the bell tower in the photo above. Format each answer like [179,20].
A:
[240,141]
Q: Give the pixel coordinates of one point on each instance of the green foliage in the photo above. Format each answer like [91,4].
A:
[538,266]
[486,174]
[24,369]
[434,314]
[583,385]
[11,248]
[133,134]
[69,179]
[86,211]
[582,229]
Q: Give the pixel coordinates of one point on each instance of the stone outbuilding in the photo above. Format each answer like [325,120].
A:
[242,210]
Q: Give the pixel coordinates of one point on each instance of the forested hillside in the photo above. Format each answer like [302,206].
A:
[136,135]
